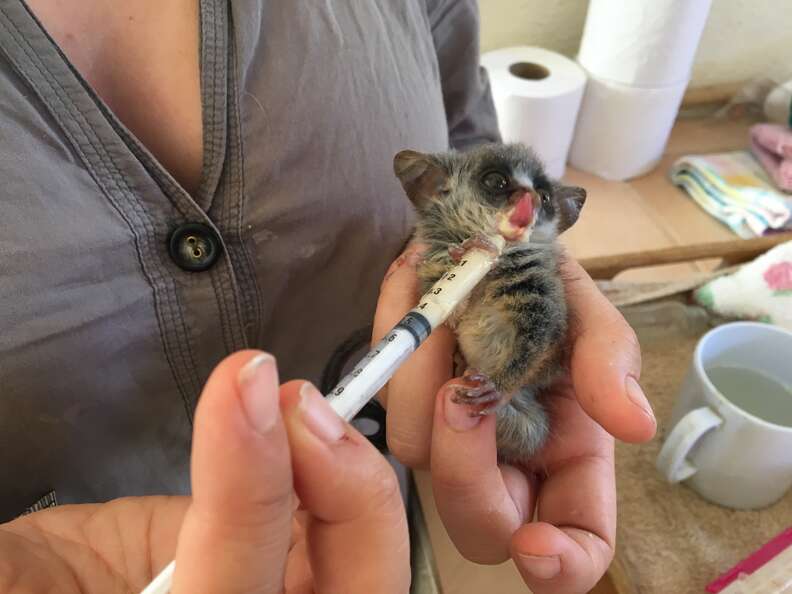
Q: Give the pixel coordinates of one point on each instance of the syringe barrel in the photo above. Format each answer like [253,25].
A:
[379,365]
[371,373]
[455,286]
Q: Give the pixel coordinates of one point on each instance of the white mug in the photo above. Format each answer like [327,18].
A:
[720,449]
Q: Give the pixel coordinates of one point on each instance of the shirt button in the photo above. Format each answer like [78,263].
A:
[194,247]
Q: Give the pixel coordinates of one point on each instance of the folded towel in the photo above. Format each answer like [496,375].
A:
[771,144]
[734,189]
[760,290]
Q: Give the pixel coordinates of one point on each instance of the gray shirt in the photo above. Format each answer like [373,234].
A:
[109,321]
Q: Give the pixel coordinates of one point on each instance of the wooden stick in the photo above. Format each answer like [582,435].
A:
[733,252]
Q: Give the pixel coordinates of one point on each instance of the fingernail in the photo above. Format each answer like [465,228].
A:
[318,416]
[458,415]
[258,386]
[637,396]
[543,568]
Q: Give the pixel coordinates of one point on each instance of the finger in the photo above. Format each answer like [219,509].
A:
[409,397]
[299,577]
[606,361]
[237,531]
[571,546]
[574,562]
[481,505]
[73,532]
[357,531]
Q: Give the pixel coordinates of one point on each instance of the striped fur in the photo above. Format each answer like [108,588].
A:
[513,327]
[513,330]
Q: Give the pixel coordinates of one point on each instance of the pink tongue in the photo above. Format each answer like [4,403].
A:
[523,211]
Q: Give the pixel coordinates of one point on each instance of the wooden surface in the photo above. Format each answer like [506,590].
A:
[718,94]
[733,251]
[644,214]
[649,213]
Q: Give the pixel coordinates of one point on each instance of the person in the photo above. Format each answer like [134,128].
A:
[241,531]
[163,207]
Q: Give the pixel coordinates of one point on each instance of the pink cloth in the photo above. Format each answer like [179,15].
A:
[780,170]
[771,144]
[774,137]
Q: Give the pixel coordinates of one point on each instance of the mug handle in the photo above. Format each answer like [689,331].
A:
[671,460]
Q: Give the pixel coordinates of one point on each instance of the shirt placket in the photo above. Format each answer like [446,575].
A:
[199,311]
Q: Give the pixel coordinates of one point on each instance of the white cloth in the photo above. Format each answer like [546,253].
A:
[760,290]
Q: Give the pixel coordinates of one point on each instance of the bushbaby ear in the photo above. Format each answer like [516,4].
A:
[421,175]
[570,200]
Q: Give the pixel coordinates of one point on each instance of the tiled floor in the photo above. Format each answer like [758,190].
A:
[641,214]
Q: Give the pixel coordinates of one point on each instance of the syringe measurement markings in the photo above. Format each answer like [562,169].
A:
[390,337]
[161,584]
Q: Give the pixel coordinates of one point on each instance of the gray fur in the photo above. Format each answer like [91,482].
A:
[522,427]
[514,326]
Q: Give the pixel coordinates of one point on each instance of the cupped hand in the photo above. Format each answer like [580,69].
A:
[255,452]
[553,514]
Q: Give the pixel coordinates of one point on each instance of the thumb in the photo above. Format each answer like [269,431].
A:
[357,531]
[409,395]
[606,361]
[236,533]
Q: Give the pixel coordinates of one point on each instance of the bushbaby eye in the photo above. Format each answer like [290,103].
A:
[495,181]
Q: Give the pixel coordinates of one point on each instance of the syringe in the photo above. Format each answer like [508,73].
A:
[378,366]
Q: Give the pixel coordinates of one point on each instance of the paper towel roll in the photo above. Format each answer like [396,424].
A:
[621,130]
[537,95]
[645,43]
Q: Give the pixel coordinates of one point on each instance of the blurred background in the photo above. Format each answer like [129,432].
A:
[742,38]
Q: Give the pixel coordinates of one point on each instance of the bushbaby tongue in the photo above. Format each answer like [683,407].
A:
[522,214]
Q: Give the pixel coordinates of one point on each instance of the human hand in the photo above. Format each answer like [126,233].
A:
[488,508]
[240,531]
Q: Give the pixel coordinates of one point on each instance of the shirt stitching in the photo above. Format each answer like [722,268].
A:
[129,211]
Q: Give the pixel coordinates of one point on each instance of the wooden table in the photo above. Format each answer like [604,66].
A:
[619,217]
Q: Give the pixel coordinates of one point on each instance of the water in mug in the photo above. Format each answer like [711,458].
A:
[758,394]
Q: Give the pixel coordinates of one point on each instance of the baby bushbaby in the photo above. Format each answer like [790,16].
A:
[512,331]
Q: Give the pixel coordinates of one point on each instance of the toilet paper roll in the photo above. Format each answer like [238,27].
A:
[537,95]
[645,43]
[621,130]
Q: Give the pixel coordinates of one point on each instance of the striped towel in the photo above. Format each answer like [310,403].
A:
[734,189]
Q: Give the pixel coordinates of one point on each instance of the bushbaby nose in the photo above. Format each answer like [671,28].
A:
[523,211]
